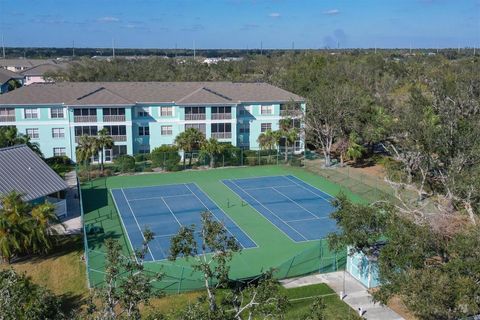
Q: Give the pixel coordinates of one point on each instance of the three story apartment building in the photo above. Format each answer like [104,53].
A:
[141,116]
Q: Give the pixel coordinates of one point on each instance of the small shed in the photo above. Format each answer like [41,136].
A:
[364,267]
[23,171]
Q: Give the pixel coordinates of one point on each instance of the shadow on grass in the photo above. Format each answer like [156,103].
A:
[62,245]
[70,303]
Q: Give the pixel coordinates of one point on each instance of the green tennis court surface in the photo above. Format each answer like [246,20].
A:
[274,248]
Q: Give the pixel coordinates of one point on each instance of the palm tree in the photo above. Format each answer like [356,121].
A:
[43,216]
[9,136]
[289,133]
[86,149]
[14,228]
[212,147]
[104,141]
[268,141]
[188,141]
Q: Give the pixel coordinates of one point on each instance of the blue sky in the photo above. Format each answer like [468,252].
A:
[241,23]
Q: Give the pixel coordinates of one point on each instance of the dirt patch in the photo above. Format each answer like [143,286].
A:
[397,305]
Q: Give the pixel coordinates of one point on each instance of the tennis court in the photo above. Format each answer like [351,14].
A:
[164,209]
[298,209]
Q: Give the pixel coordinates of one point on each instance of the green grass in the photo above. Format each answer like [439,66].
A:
[62,270]
[275,248]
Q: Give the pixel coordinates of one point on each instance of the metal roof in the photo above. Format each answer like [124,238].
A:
[22,170]
[71,93]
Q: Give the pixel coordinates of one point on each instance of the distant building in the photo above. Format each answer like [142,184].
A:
[23,171]
[18,65]
[141,116]
[37,74]
[6,77]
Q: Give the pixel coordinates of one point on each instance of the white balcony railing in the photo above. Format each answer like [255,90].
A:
[119,138]
[221,116]
[85,118]
[195,116]
[222,135]
[113,118]
[7,118]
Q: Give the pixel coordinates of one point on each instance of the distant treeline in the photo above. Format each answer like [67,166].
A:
[32,53]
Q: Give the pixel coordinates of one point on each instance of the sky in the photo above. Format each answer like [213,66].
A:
[241,24]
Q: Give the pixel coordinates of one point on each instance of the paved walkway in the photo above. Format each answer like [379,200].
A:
[356,295]
[72,223]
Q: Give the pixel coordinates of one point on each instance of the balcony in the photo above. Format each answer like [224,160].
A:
[119,138]
[113,118]
[222,135]
[195,116]
[7,118]
[77,138]
[85,118]
[221,116]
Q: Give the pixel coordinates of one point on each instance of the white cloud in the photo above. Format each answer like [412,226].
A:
[332,12]
[108,19]
[274,15]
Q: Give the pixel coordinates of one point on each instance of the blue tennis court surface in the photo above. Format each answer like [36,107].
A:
[164,209]
[298,209]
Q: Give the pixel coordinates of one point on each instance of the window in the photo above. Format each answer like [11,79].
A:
[85,112]
[58,133]
[194,113]
[142,112]
[266,110]
[116,130]
[265,126]
[166,130]
[32,133]
[199,126]
[31,113]
[221,109]
[244,127]
[85,130]
[114,111]
[56,113]
[144,130]
[59,152]
[166,111]
[221,127]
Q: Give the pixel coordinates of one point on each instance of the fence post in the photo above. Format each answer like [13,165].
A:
[223,156]
[180,281]
[241,157]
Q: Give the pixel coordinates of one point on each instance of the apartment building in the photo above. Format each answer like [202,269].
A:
[141,116]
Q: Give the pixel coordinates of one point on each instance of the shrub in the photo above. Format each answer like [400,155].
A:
[58,160]
[125,163]
[166,157]
[20,298]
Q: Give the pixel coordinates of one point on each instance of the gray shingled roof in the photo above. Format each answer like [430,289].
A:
[6,75]
[41,69]
[22,170]
[69,93]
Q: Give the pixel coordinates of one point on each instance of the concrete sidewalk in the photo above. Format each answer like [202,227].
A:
[356,297]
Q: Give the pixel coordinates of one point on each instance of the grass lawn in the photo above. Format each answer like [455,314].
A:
[62,271]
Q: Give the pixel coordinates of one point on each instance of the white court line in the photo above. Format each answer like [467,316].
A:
[159,197]
[213,214]
[313,214]
[311,190]
[134,217]
[266,187]
[270,212]
[171,212]
[311,219]
[257,246]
